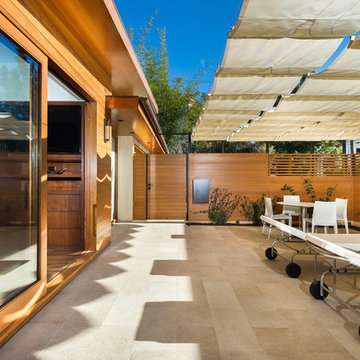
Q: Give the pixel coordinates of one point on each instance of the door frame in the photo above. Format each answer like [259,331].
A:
[18,306]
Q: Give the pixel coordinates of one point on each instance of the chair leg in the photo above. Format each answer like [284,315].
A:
[269,232]
[290,220]
[326,230]
[335,229]
[346,226]
[313,228]
[263,228]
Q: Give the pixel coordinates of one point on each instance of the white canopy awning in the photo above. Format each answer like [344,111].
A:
[330,87]
[319,104]
[281,55]
[347,64]
[267,87]
[254,85]
[240,103]
[307,19]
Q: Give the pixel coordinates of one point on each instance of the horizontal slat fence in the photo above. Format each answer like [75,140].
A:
[314,164]
[251,175]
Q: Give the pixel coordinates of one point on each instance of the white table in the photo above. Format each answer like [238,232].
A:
[303,205]
[348,241]
[344,247]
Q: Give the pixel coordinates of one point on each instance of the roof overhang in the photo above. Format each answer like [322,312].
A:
[94,33]
[134,116]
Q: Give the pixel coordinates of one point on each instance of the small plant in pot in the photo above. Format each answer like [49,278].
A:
[221,206]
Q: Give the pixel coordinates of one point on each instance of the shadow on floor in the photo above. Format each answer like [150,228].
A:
[63,319]
[306,262]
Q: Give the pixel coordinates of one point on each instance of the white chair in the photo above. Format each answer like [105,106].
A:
[324,214]
[292,210]
[269,213]
[341,212]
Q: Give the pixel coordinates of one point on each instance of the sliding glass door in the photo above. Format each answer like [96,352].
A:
[19,169]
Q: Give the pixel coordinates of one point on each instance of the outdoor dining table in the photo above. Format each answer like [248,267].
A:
[303,205]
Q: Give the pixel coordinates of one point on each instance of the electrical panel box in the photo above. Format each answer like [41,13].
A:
[200,191]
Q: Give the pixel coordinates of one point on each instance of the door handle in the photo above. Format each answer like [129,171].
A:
[54,172]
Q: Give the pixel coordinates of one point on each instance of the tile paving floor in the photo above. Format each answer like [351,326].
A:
[171,291]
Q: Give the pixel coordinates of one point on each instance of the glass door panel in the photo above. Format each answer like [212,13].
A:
[19,169]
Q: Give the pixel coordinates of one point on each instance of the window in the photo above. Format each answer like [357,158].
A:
[19,169]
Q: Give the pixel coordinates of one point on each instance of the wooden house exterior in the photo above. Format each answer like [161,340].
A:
[84,46]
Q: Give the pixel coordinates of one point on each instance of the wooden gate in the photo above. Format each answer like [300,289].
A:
[166,187]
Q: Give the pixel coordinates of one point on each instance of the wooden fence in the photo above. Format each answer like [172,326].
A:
[314,164]
[170,179]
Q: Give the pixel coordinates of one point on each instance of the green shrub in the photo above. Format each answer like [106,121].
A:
[252,210]
[221,206]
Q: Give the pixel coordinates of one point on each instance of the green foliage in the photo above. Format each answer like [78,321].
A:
[221,206]
[310,190]
[230,147]
[252,210]
[329,193]
[289,188]
[303,147]
[312,193]
[179,100]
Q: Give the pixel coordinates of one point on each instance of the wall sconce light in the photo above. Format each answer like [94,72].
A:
[107,130]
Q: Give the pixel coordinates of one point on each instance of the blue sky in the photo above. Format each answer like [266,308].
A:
[196,30]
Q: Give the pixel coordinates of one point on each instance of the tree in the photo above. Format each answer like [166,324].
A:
[229,147]
[301,147]
[179,100]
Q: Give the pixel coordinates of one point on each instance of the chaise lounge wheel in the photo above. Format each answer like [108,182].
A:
[271,253]
[293,270]
[315,290]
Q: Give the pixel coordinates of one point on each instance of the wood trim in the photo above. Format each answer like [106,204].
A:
[11,31]
[133,103]
[138,150]
[17,309]
[90,191]
[122,102]
[143,115]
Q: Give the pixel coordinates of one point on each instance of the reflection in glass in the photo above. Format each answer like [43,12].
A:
[18,170]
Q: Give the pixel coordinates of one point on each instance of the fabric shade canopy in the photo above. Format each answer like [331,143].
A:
[255,85]
[307,19]
[281,55]
[268,87]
